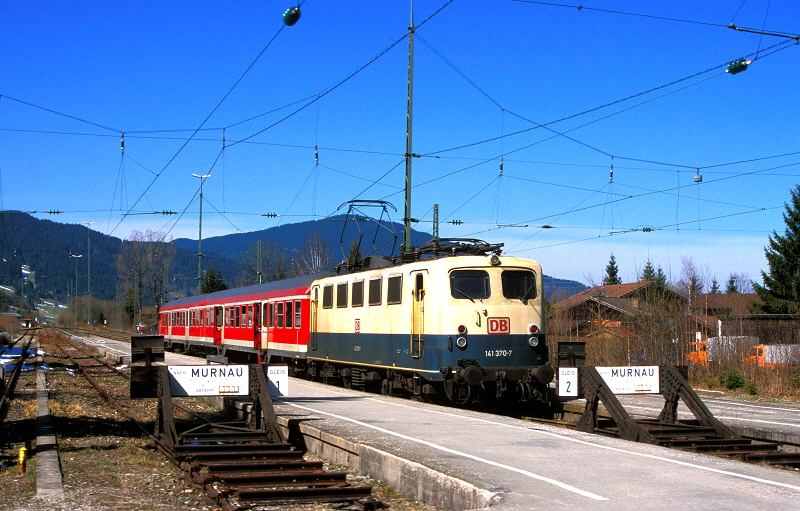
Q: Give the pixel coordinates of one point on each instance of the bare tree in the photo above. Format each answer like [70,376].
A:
[691,282]
[315,257]
[143,262]
[264,262]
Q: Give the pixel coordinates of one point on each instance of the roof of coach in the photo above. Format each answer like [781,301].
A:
[301,284]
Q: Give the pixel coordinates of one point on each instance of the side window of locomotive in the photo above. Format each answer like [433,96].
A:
[288,314]
[469,284]
[341,295]
[279,313]
[375,291]
[297,314]
[519,284]
[394,289]
[327,296]
[357,299]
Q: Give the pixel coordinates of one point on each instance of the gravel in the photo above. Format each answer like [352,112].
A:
[106,462]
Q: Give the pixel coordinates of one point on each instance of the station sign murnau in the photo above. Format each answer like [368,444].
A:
[209,380]
[632,379]
[621,380]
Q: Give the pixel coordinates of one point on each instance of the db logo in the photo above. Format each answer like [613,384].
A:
[499,325]
[358,326]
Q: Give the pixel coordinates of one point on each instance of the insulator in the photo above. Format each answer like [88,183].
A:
[698,178]
[737,66]
[291,15]
[316,154]
[501,166]
[122,142]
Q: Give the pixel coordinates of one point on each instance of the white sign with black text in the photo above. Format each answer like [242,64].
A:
[631,380]
[568,382]
[209,380]
[278,378]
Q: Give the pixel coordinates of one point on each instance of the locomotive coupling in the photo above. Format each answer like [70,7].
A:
[544,374]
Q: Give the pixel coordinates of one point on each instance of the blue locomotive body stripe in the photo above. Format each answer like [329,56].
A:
[393,351]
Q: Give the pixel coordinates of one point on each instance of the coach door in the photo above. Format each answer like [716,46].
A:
[217,325]
[312,338]
[418,314]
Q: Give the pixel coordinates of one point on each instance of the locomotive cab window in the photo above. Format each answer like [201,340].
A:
[341,295]
[394,289]
[519,284]
[327,296]
[470,284]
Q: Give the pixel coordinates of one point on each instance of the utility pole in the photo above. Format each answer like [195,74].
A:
[409,154]
[89,274]
[200,234]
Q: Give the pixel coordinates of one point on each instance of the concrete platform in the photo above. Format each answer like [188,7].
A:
[463,460]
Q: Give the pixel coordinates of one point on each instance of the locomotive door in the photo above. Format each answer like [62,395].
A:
[217,325]
[312,337]
[418,314]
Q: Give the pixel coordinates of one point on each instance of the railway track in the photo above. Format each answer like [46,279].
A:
[19,348]
[238,466]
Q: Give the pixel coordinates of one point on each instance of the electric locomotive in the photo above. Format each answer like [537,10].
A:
[463,324]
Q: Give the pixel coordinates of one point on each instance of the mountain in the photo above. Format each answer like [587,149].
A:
[381,238]
[36,254]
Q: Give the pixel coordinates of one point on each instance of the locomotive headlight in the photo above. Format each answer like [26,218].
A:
[533,341]
[461,342]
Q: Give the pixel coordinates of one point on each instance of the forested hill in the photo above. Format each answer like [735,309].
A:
[45,249]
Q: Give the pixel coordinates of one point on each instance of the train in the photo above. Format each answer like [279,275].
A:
[456,321]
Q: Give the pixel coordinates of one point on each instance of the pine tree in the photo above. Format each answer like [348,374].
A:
[732,288]
[648,273]
[651,274]
[781,290]
[612,273]
[714,287]
[212,281]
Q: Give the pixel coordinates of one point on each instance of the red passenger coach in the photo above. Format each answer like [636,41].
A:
[271,319]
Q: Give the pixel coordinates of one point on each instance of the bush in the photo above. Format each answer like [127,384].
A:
[750,388]
[732,380]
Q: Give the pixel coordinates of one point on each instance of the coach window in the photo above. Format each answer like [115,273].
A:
[219,316]
[357,299]
[237,316]
[232,316]
[375,291]
[341,295]
[270,316]
[279,313]
[469,284]
[394,289]
[327,296]
[297,316]
[288,314]
[249,316]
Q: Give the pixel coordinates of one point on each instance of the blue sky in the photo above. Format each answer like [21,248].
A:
[487,74]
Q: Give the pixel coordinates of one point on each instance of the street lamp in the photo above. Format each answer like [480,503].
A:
[75,294]
[89,274]
[200,233]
